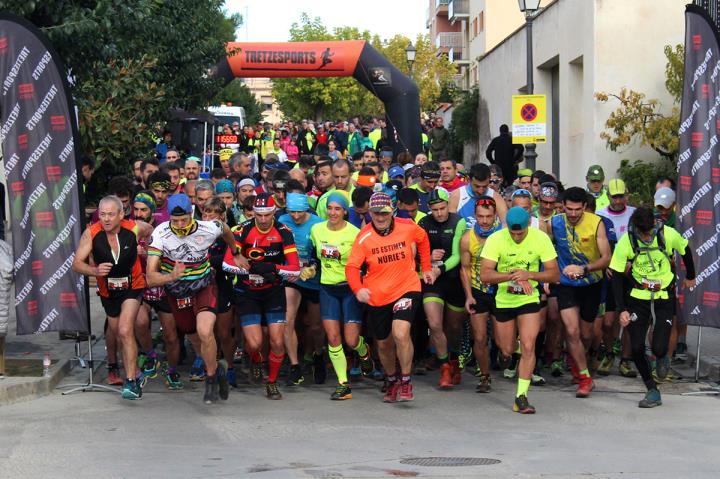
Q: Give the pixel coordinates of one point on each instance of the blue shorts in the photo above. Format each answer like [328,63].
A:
[262,307]
[339,302]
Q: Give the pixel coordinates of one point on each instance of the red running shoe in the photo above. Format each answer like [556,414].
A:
[391,392]
[446,376]
[406,391]
[114,378]
[456,372]
[585,386]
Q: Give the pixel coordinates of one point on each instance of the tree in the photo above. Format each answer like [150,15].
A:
[322,98]
[130,61]
[237,93]
[464,126]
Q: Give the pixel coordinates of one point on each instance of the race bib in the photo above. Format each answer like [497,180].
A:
[437,264]
[256,280]
[304,263]
[116,284]
[652,284]
[330,252]
[184,303]
[402,304]
[514,287]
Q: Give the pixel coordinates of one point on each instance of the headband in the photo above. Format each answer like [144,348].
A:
[147,200]
[297,202]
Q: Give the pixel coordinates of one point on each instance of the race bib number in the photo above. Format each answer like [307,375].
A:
[116,284]
[256,280]
[652,284]
[402,304]
[184,303]
[330,252]
[515,288]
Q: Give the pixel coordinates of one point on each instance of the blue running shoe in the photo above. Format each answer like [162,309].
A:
[131,390]
[197,371]
[231,377]
[355,372]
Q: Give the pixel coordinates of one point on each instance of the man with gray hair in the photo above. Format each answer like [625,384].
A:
[192,168]
[204,190]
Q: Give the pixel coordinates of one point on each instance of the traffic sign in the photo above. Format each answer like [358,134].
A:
[529,119]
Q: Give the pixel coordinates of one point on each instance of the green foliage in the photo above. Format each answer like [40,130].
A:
[640,178]
[464,126]
[237,93]
[335,98]
[142,56]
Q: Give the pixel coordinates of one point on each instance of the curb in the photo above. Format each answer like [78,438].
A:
[14,390]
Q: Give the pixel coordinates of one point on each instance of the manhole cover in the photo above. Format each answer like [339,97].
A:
[449,461]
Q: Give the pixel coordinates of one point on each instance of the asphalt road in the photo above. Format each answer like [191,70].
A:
[173,434]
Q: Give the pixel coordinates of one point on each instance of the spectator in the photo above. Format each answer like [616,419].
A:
[439,138]
[501,151]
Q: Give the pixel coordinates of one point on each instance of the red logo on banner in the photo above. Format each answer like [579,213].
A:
[44,218]
[703,217]
[715,175]
[705,89]
[685,182]
[68,300]
[54,173]
[3,44]
[57,122]
[697,138]
[37,267]
[26,91]
[23,141]
[32,307]
[17,187]
[697,42]
[711,299]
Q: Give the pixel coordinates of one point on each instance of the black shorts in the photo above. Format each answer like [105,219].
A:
[484,302]
[380,318]
[307,294]
[262,307]
[586,298]
[448,289]
[225,300]
[503,315]
[113,305]
[160,305]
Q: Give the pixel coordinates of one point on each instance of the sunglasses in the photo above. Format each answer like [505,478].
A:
[495,182]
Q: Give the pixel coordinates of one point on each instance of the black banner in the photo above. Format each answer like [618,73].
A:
[38,136]
[699,168]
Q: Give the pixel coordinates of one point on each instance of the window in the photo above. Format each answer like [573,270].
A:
[481,21]
[475,27]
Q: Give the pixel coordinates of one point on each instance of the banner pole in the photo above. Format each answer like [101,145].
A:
[697,355]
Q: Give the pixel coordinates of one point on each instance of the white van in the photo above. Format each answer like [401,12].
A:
[228,115]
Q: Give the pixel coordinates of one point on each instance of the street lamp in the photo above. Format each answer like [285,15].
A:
[410,56]
[529,8]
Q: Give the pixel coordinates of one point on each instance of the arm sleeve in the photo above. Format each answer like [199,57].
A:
[423,242]
[454,259]
[689,264]
[292,261]
[354,263]
[618,289]
[228,264]
[155,248]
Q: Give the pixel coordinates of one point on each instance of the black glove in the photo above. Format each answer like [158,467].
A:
[266,270]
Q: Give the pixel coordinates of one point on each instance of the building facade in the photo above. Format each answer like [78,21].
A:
[262,89]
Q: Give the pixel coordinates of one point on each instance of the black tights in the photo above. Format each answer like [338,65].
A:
[660,338]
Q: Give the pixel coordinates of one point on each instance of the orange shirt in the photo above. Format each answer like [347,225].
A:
[390,261]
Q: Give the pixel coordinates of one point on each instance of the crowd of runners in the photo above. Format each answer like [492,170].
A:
[378,266]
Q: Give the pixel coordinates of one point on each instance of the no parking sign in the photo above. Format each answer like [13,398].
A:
[528,119]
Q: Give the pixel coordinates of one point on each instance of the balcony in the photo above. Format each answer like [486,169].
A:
[458,10]
[441,7]
[428,18]
[447,40]
[460,81]
[458,55]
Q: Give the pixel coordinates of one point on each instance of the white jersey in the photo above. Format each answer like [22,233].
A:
[193,249]
[620,220]
[466,204]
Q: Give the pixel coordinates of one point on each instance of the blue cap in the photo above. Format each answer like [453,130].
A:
[179,204]
[396,171]
[224,186]
[339,197]
[297,202]
[517,218]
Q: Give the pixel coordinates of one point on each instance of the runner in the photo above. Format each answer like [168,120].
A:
[649,248]
[113,245]
[443,299]
[511,259]
[583,254]
[479,297]
[391,287]
[429,179]
[179,260]
[332,241]
[462,201]
[270,249]
[307,288]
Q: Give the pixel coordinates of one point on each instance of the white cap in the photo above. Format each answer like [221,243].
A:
[664,197]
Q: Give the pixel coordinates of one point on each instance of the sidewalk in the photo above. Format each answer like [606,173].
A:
[709,352]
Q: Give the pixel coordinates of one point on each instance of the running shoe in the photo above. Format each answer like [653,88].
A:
[256,373]
[616,347]
[406,391]
[484,386]
[478,372]
[211,389]
[114,378]
[197,371]
[504,362]
[419,368]
[681,352]
[378,374]
[391,391]
[606,365]
[446,376]
[626,369]
[461,361]
[131,390]
[652,399]
[272,391]
[238,356]
[231,377]
[319,368]
[296,377]
[150,367]
[355,372]
[173,381]
[456,371]
[509,373]
[367,365]
[662,368]
[585,386]
[556,369]
[141,379]
[222,380]
[342,392]
[536,379]
[523,406]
